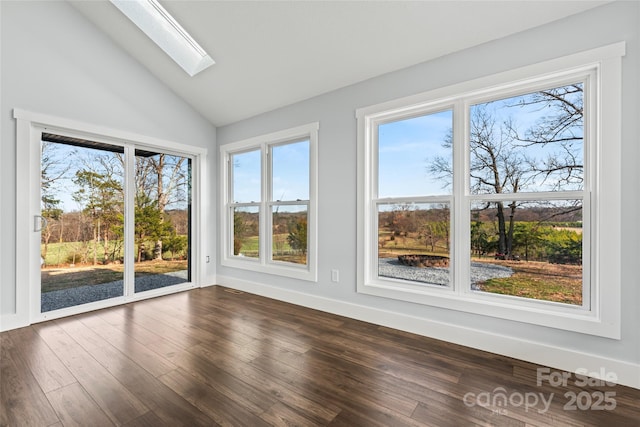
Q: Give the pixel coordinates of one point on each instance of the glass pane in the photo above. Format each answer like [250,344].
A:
[529,249]
[82,201]
[162,220]
[290,171]
[528,143]
[246,231]
[414,242]
[246,177]
[289,233]
[415,156]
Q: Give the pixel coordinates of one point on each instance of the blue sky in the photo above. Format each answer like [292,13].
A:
[291,171]
[72,159]
[406,148]
[290,165]
[247,172]
[524,118]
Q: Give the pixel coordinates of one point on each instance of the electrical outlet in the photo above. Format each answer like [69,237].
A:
[335,275]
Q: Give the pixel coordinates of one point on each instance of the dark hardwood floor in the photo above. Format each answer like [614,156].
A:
[215,356]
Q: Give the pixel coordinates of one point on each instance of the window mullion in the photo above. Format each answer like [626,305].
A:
[266,219]
[459,211]
[129,219]
[228,218]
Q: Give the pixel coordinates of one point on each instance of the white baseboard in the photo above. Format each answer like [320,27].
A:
[12,321]
[627,374]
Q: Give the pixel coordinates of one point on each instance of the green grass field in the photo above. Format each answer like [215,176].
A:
[62,254]
[538,280]
[282,251]
[533,279]
[58,253]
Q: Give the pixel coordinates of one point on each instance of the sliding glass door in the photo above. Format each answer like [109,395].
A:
[115,221]
[162,220]
[82,222]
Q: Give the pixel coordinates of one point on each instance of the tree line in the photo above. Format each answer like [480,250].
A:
[289,231]
[97,226]
[541,233]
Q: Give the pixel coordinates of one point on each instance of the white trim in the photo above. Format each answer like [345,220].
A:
[262,264]
[542,354]
[29,127]
[129,218]
[600,314]
[23,222]
[13,321]
[90,130]
[284,135]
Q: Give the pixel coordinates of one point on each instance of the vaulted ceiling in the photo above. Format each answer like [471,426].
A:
[274,53]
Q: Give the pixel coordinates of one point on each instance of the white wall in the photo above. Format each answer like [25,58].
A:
[337,197]
[56,63]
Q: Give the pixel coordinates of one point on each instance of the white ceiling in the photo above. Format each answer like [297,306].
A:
[273,53]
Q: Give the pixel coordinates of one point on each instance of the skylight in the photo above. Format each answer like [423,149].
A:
[165,31]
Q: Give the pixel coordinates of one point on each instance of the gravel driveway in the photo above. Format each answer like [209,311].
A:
[56,300]
[391,267]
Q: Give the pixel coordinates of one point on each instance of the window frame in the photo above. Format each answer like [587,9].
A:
[600,69]
[264,262]
[390,117]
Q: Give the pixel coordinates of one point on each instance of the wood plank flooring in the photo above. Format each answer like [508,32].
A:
[215,356]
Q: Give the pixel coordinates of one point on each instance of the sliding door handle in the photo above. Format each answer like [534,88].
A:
[39,222]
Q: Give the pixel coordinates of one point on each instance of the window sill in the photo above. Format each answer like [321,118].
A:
[542,313]
[276,268]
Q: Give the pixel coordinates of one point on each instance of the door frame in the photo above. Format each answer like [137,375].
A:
[29,129]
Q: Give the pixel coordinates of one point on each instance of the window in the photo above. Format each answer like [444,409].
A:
[413,212]
[270,203]
[486,196]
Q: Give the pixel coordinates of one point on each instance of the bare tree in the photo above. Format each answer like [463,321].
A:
[505,160]
[562,128]
[494,166]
